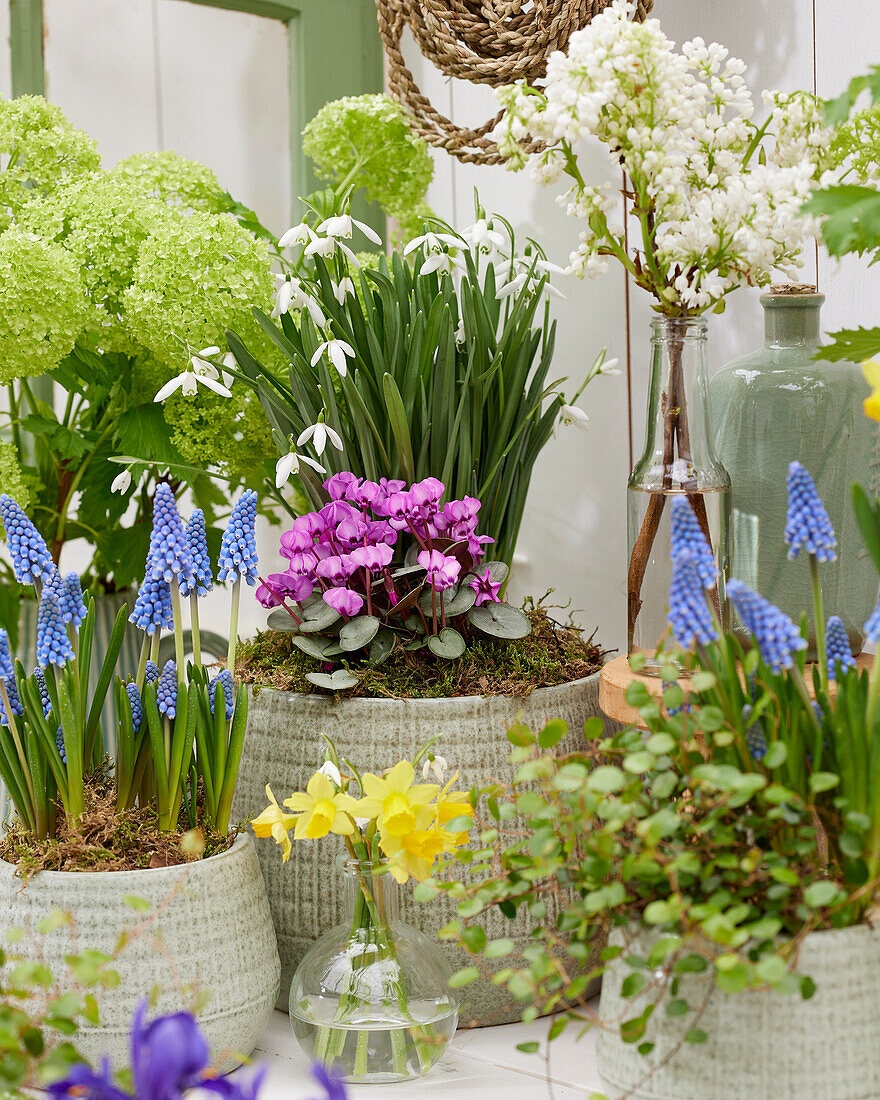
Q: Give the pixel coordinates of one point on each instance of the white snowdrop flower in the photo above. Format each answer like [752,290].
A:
[433,242]
[609,367]
[506,290]
[319,434]
[122,482]
[200,372]
[329,769]
[326,246]
[342,289]
[571,414]
[434,765]
[337,352]
[482,239]
[460,334]
[290,463]
[343,225]
[297,234]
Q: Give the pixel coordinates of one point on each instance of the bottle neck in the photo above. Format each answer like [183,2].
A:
[370,893]
[791,320]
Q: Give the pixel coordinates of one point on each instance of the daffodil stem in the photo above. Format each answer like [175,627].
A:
[233,625]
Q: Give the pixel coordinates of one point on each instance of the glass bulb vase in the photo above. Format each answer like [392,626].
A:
[678,460]
[372,996]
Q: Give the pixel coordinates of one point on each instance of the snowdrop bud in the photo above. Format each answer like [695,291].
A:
[329,769]
[122,482]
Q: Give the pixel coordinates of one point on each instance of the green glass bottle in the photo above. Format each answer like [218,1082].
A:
[776,405]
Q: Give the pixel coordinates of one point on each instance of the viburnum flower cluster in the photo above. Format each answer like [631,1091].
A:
[717,199]
[383,565]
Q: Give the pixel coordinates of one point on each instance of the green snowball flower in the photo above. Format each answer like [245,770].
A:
[40,150]
[367,141]
[43,304]
[173,180]
[11,477]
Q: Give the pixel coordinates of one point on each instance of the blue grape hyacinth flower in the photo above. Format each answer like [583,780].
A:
[53,644]
[153,609]
[166,690]
[73,606]
[202,579]
[45,701]
[152,673]
[872,626]
[137,708]
[689,614]
[31,559]
[687,537]
[169,557]
[224,679]
[777,636]
[807,524]
[238,549]
[837,647]
[59,744]
[6,666]
[14,701]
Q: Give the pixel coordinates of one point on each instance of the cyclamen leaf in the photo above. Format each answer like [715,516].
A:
[340,680]
[448,643]
[359,632]
[500,620]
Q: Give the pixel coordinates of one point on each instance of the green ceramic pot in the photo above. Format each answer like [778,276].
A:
[776,405]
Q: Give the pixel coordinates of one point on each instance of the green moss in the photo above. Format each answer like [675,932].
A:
[553,653]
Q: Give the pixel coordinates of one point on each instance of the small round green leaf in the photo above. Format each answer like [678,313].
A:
[340,680]
[359,632]
[448,643]
[500,620]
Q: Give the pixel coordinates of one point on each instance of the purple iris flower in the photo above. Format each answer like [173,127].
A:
[486,589]
[234,1088]
[343,486]
[372,557]
[442,571]
[330,1081]
[83,1082]
[344,601]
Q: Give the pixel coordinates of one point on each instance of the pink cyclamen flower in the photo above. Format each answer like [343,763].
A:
[442,571]
[342,486]
[265,597]
[380,531]
[344,601]
[303,564]
[372,557]
[351,531]
[292,585]
[457,512]
[427,493]
[295,541]
[336,511]
[476,544]
[336,568]
[486,589]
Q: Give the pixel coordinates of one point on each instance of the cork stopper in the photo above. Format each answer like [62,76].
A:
[792,288]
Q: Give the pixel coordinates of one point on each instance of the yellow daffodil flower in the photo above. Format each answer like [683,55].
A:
[274,822]
[393,800]
[452,804]
[871,371]
[415,852]
[321,809]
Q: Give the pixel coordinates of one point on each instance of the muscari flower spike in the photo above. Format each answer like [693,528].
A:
[756,742]
[169,550]
[137,709]
[872,626]
[687,537]
[807,524]
[777,636]
[59,744]
[45,701]
[6,666]
[197,544]
[73,606]
[166,690]
[224,679]
[152,673]
[53,644]
[14,701]
[238,549]
[153,609]
[837,647]
[31,559]
[689,614]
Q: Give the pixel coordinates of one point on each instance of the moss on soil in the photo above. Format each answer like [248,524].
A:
[106,839]
[554,653]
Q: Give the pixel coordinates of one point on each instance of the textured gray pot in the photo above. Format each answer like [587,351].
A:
[761,1045]
[283,747]
[208,932]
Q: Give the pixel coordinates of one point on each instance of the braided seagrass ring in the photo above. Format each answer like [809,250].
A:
[484,41]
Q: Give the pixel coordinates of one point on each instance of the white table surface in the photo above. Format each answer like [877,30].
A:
[477,1063]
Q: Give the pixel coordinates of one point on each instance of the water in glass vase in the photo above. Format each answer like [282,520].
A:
[367,1048]
[649,626]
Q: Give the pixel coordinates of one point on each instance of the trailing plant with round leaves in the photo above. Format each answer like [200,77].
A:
[353,591]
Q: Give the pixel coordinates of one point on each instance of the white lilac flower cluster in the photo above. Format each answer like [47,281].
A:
[715,211]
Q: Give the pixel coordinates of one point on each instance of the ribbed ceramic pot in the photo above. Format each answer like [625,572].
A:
[208,931]
[283,747]
[760,1045]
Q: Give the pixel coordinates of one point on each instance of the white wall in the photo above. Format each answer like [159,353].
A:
[148,74]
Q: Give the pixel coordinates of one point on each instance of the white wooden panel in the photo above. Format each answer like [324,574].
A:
[5,67]
[847,43]
[224,100]
[100,68]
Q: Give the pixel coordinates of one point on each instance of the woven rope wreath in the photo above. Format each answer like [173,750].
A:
[484,41]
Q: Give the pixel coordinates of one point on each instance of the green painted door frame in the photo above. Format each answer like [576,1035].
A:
[334,51]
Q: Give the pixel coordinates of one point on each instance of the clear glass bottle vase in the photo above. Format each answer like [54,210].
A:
[372,996]
[678,459]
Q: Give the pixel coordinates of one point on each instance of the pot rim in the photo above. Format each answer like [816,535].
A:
[863,928]
[244,839]
[451,700]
